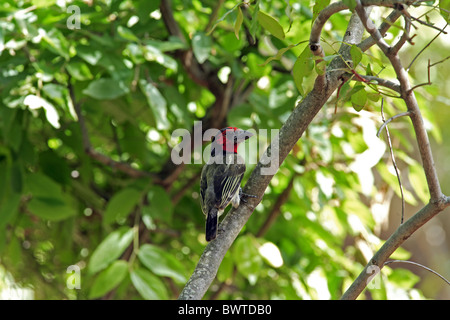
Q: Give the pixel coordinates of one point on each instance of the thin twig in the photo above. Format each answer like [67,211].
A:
[423,49]
[425,83]
[432,65]
[428,25]
[405,36]
[379,81]
[388,136]
[407,113]
[213,16]
[419,265]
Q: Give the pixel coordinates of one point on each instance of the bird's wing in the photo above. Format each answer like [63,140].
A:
[203,186]
[227,183]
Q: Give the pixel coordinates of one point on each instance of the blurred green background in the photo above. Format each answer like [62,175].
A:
[92,207]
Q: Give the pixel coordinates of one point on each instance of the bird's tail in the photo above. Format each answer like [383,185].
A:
[211,224]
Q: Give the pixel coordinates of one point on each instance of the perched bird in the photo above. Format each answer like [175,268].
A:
[221,177]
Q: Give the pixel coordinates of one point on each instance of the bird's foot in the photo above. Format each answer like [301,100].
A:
[243,195]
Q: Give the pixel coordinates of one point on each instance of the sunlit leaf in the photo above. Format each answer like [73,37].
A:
[302,68]
[108,279]
[110,249]
[121,205]
[247,258]
[271,25]
[201,46]
[356,55]
[280,53]
[359,98]
[419,182]
[161,263]
[351,4]
[106,88]
[149,286]
[157,103]
[238,23]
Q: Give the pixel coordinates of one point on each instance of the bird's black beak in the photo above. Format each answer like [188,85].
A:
[242,135]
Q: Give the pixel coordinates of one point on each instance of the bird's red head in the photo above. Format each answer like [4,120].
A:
[229,138]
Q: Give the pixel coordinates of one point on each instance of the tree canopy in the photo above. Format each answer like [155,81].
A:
[93,206]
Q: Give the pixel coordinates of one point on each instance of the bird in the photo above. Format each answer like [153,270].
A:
[221,177]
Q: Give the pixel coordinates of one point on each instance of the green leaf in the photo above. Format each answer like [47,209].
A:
[271,25]
[321,67]
[110,249]
[48,201]
[419,182]
[247,258]
[79,70]
[356,55]
[43,3]
[57,43]
[319,5]
[105,89]
[254,25]
[302,68]
[89,54]
[16,178]
[160,206]
[279,53]
[238,23]
[201,46]
[9,207]
[152,53]
[157,103]
[149,286]
[403,278]
[121,205]
[225,271]
[223,18]
[391,179]
[400,254]
[108,279]
[255,65]
[358,98]
[444,5]
[351,4]
[172,44]
[161,263]
[126,34]
[50,208]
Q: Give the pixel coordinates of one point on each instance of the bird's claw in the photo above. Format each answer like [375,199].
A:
[243,195]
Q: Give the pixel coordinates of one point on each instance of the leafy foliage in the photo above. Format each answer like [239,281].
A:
[123,72]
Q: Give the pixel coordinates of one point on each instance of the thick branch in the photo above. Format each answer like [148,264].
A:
[380,81]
